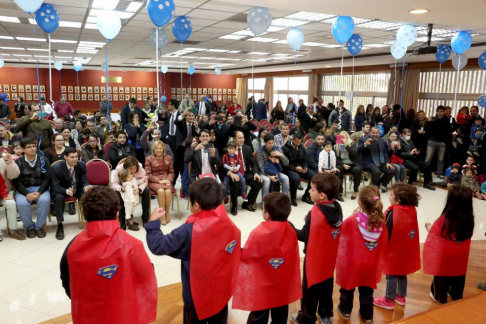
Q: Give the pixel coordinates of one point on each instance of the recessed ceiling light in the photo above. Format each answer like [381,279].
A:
[418,11]
[328,66]
[9,19]
[71,24]
[31,39]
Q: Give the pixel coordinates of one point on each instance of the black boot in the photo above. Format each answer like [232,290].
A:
[60,232]
[72,209]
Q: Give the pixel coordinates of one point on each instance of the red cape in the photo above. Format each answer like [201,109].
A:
[359,262]
[444,257]
[269,274]
[112,278]
[404,247]
[215,257]
[320,262]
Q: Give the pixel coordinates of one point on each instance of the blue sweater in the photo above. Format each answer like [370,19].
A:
[272,169]
[359,120]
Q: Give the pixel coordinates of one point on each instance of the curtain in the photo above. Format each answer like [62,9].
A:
[410,86]
[313,87]
[242,91]
[268,91]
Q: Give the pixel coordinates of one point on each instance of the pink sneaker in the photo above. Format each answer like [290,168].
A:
[383,303]
[400,300]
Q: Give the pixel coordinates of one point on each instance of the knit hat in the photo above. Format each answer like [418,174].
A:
[456,166]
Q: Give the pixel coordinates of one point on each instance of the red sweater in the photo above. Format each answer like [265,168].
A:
[232,109]
[63,109]
[461,120]
[3,188]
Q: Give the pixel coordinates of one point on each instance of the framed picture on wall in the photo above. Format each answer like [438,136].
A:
[184,90]
[120,90]
[83,90]
[155,90]
[133,90]
[225,98]
[28,88]
[224,91]
[127,90]
[179,97]
[110,97]
[172,90]
[205,91]
[115,97]
[14,96]
[115,89]
[71,97]
[13,88]
[103,89]
[199,90]
[6,88]
[70,89]
[189,90]
[229,91]
[96,89]
[215,91]
[76,89]
[234,91]
[144,90]
[194,91]
[63,89]
[35,88]
[28,96]
[77,97]
[121,97]
[90,89]
[234,97]
[151,90]
[139,97]
[220,91]
[210,91]
[109,90]
[97,97]
[21,94]
[194,97]
[139,89]
[90,97]
[36,96]
[0,87]
[134,95]
[84,97]
[178,90]
[42,88]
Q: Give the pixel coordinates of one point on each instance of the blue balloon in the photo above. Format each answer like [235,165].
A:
[29,6]
[191,70]
[217,71]
[443,53]
[406,35]
[182,29]
[4,97]
[295,38]
[47,18]
[162,38]
[354,44]
[397,50]
[2,63]
[482,101]
[104,67]
[78,66]
[381,130]
[161,11]
[163,99]
[164,69]
[109,24]
[481,61]
[259,20]
[342,29]
[58,65]
[461,42]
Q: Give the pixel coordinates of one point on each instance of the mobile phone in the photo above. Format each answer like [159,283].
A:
[208,146]
[218,118]
[238,118]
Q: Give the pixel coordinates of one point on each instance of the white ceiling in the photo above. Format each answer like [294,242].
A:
[132,48]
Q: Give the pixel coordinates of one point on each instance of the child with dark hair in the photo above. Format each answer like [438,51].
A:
[477,170]
[446,249]
[455,177]
[208,245]
[232,163]
[269,274]
[272,167]
[469,181]
[361,254]
[322,228]
[404,246]
[16,150]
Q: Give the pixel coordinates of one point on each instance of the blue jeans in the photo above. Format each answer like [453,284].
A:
[242,183]
[24,208]
[185,180]
[399,172]
[392,282]
[283,179]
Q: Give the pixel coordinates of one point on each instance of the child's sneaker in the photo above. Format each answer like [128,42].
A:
[382,302]
[226,200]
[344,316]
[370,321]
[431,295]
[294,318]
[244,197]
[400,300]
[324,320]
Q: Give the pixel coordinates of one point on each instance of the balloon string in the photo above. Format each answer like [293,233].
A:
[157,53]
[341,76]
[395,83]
[77,77]
[401,89]
[295,62]
[438,83]
[457,85]
[108,114]
[352,90]
[181,70]
[50,70]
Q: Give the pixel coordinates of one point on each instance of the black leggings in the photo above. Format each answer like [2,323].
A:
[452,285]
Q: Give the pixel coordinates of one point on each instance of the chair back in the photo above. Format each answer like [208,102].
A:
[98,172]
[4,149]
[121,162]
[107,147]
[308,143]
[306,137]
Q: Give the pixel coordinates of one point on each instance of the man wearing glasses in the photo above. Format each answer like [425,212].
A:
[32,185]
[34,125]
[154,130]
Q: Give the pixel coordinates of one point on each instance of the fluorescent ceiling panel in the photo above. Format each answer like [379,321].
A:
[262,40]
[217,50]
[134,6]
[309,16]
[6,37]
[70,24]
[287,23]
[381,25]
[12,48]
[258,53]
[90,26]
[105,4]
[38,49]
[10,19]
[235,37]
[31,39]
[63,41]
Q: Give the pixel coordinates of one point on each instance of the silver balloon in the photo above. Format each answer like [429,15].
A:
[459,61]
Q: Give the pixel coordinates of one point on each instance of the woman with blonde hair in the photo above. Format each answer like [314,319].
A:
[347,156]
[160,174]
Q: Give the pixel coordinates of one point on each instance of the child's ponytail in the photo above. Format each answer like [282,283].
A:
[371,204]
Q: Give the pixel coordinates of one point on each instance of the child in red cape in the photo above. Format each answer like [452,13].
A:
[361,254]
[404,245]
[321,236]
[208,245]
[269,275]
[446,250]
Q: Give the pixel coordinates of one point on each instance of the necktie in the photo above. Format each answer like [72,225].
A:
[329,160]
[219,126]
[200,108]
[189,130]
[73,180]
[172,130]
[242,168]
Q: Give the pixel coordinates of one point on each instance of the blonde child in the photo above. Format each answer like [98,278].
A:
[129,196]
[16,150]
[404,246]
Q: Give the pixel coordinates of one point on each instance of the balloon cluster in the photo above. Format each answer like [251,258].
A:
[259,20]
[460,43]
[406,36]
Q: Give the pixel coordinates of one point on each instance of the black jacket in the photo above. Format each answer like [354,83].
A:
[352,153]
[125,113]
[222,134]
[439,130]
[297,157]
[312,153]
[195,158]
[39,175]
[61,179]
[246,129]
[181,131]
[4,111]
[117,153]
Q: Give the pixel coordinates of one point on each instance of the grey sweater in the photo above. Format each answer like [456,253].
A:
[262,156]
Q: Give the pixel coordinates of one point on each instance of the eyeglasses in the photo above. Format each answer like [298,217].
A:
[31,146]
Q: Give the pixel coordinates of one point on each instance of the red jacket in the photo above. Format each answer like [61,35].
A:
[232,109]
[461,120]
[3,188]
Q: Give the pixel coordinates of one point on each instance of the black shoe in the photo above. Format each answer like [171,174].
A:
[72,209]
[300,188]
[428,186]
[234,210]
[60,232]
[53,212]
[294,202]
[340,198]
[40,233]
[353,197]
[31,233]
[248,207]
[306,199]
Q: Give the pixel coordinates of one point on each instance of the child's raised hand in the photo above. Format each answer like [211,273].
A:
[157,214]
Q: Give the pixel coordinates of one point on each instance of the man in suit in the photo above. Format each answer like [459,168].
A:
[221,130]
[68,180]
[4,110]
[374,159]
[249,169]
[202,107]
[212,106]
[186,128]
[169,117]
[127,109]
[260,111]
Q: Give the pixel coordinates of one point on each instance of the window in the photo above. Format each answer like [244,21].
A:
[257,92]
[295,87]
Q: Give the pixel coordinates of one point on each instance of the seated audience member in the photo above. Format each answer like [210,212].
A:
[412,162]
[296,128]
[204,267]
[319,128]
[68,123]
[134,130]
[109,132]
[365,130]
[131,106]
[262,155]
[221,130]
[455,177]
[469,181]
[32,124]
[120,149]
[393,129]
[348,161]
[93,150]
[160,174]
[76,132]
[6,137]
[145,112]
[259,142]
[136,169]
[312,153]
[243,124]
[68,180]
[202,119]
[9,170]
[272,167]
[297,167]
[374,159]
[68,141]
[99,129]
[155,132]
[394,149]
[105,261]
[332,132]
[328,164]
[283,137]
[32,185]
[13,126]
[56,151]
[91,126]
[16,150]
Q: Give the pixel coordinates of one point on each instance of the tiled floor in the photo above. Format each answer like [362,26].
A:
[31,291]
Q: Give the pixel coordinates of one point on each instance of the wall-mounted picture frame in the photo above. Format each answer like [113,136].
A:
[83,90]
[109,90]
[134,95]
[139,97]
[71,97]
[76,89]
[225,98]
[210,91]
[184,91]
[220,98]
[63,89]
[215,91]
[103,89]
[224,91]
[115,97]
[220,91]
[77,97]
[133,90]
[229,91]
[84,97]
[6,88]
[189,90]
[42,88]
[70,89]
[35,88]
[121,90]
[144,90]
[178,90]
[90,97]
[1,87]
[121,97]
[110,97]
[21,94]
[155,90]
[199,91]
[96,89]
[13,88]
[115,90]
[151,90]
[234,91]
[90,89]
[234,97]
[36,96]
[97,97]
[172,90]
[139,89]
[13,96]
[194,91]
[205,91]
[28,96]
[28,88]
[194,97]
[127,90]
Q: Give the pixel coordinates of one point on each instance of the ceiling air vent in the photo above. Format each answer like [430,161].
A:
[187,42]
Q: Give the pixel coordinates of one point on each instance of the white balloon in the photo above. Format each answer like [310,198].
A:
[2,63]
[349,95]
[109,24]
[397,50]
[406,35]
[459,61]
